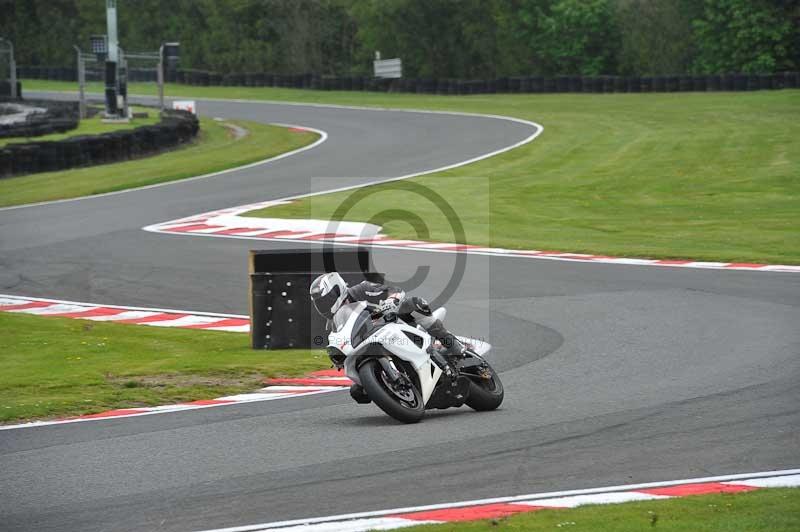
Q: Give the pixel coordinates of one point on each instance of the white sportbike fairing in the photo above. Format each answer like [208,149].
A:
[401,367]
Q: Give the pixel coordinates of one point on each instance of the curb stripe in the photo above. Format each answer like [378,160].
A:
[230,224]
[91,313]
[125,315]
[505,506]
[474,513]
[698,489]
[310,382]
[25,306]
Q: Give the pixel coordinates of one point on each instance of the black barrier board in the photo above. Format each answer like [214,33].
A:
[281,313]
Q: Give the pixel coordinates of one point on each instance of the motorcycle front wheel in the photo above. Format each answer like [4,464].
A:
[400,400]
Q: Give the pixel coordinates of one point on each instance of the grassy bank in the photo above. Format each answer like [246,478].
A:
[708,176]
[55,367]
[216,148]
[92,126]
[766,510]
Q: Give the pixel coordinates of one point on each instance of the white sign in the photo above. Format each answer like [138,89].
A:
[388,68]
[185,105]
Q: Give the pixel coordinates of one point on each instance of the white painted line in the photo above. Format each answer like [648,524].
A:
[788,481]
[602,498]
[233,328]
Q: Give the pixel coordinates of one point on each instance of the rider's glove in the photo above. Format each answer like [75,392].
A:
[388,305]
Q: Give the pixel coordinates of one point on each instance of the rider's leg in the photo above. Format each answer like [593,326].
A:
[421,313]
[453,345]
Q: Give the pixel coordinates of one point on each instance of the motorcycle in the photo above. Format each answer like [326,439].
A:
[402,369]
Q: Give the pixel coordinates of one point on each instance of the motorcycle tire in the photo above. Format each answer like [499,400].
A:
[485,394]
[374,382]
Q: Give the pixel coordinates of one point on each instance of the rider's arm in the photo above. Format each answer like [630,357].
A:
[372,292]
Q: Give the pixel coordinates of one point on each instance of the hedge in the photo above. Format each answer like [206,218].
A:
[176,127]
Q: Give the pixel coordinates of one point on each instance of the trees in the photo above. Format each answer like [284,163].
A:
[744,36]
[655,36]
[435,38]
[577,37]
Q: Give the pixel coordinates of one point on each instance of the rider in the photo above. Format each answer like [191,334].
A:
[329,292]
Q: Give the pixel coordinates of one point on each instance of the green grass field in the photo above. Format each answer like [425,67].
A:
[55,367]
[215,149]
[707,176]
[92,126]
[766,510]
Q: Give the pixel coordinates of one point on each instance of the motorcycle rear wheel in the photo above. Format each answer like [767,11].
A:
[485,393]
[404,405]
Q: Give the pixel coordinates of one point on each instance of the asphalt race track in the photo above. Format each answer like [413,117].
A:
[614,374]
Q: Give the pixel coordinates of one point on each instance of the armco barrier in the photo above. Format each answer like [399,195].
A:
[529,84]
[176,127]
[281,313]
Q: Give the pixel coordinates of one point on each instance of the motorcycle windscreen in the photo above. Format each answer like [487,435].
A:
[345,313]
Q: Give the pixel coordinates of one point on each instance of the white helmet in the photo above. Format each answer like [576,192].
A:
[328,292]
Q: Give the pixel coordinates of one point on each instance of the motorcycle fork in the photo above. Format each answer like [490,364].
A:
[390,369]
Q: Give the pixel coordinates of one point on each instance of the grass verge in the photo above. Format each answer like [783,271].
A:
[765,510]
[216,148]
[55,367]
[707,176]
[92,126]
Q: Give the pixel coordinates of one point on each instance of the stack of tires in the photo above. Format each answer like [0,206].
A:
[176,127]
[59,117]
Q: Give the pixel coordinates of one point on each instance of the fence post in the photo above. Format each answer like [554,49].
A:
[81,84]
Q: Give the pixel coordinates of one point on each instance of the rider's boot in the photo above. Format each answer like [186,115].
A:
[359,395]
[453,346]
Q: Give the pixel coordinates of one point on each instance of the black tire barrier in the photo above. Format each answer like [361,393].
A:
[513,85]
[281,313]
[673,84]
[59,118]
[175,128]
[728,82]
[600,85]
[699,84]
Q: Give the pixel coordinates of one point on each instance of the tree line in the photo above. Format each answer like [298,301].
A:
[434,38]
